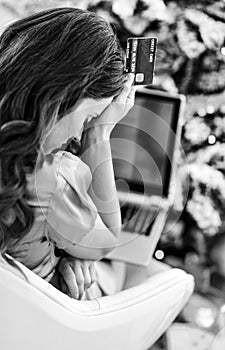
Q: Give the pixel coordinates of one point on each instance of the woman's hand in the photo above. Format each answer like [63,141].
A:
[76,276]
[113,113]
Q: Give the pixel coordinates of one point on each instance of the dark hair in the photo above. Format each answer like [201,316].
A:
[47,62]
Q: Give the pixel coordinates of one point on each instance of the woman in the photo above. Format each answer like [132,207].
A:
[60,69]
[61,76]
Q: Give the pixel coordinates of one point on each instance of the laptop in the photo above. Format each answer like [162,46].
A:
[143,144]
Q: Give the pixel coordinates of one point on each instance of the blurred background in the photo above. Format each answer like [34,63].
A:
[190,60]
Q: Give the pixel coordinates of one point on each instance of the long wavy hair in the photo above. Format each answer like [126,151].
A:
[47,62]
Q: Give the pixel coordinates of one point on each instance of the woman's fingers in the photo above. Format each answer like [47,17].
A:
[131,95]
[76,276]
[86,274]
[69,277]
[93,272]
[79,278]
[63,285]
[130,98]
[122,97]
[125,100]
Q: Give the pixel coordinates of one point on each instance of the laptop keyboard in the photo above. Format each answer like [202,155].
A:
[136,219]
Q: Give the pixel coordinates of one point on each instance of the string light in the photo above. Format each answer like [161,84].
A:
[223,51]
[210,109]
[201,112]
[159,254]
[212,139]
[205,317]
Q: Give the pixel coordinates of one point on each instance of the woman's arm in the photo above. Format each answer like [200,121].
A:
[96,153]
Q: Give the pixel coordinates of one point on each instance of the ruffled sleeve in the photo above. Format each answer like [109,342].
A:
[71,213]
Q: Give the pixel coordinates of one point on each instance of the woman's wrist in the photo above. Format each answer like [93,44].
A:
[94,135]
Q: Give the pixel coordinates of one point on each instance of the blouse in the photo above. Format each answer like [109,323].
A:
[64,212]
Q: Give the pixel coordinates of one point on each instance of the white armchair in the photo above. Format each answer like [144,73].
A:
[36,316]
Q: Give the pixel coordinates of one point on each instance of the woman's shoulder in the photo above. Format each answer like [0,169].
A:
[59,163]
[55,169]
[73,169]
[54,161]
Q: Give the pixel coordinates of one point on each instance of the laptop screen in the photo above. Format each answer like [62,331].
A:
[143,143]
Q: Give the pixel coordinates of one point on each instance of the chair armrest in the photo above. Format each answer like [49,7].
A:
[155,287]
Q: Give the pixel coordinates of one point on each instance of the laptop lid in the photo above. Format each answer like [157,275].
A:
[143,143]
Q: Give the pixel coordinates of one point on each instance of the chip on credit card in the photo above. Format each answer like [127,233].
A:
[140,59]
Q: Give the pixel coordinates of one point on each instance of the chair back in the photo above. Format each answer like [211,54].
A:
[34,315]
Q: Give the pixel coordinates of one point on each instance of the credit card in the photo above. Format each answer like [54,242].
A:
[140,59]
